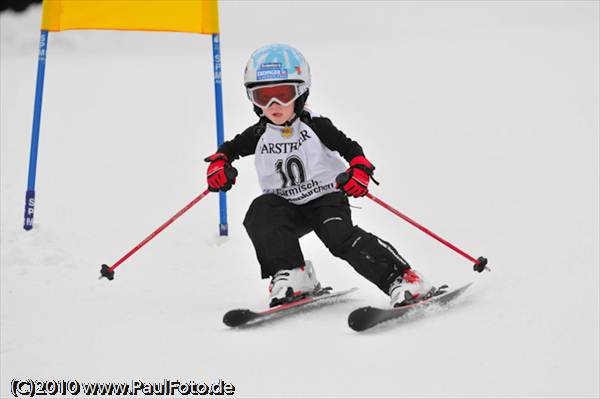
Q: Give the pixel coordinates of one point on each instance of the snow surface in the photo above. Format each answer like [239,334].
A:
[482,119]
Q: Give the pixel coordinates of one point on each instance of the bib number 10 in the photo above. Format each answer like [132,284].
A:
[291,171]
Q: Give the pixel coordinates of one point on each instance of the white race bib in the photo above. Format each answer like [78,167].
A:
[293,163]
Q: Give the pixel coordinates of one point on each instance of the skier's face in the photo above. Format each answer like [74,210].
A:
[279,114]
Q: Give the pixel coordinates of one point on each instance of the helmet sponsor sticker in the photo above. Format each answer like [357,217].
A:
[263,74]
[271,70]
[270,65]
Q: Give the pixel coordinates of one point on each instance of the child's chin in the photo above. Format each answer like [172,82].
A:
[277,121]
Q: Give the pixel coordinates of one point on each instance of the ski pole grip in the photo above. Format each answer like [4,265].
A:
[342,179]
[481,264]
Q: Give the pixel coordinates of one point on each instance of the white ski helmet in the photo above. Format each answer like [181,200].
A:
[277,63]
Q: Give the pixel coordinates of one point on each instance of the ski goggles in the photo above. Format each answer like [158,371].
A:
[282,93]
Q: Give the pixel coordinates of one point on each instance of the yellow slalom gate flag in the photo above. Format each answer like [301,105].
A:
[196,16]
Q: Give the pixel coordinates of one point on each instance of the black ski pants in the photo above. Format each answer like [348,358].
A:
[275,226]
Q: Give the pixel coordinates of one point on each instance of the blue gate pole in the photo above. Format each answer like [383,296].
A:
[35,132]
[223,228]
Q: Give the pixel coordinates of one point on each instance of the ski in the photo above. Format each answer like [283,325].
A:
[364,318]
[245,317]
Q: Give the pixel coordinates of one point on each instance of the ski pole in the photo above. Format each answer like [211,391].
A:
[480,263]
[109,272]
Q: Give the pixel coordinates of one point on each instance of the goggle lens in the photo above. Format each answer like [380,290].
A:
[284,94]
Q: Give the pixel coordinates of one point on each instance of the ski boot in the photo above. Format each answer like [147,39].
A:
[409,288]
[291,285]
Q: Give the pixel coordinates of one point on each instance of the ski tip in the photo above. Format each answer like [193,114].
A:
[464,287]
[237,317]
[359,319]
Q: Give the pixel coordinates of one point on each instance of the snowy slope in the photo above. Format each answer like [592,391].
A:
[482,119]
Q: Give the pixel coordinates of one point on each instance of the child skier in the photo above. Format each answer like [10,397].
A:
[297,158]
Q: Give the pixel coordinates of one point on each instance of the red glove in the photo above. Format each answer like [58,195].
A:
[220,174]
[355,180]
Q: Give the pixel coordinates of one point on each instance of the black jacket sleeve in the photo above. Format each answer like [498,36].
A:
[244,143]
[334,139]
